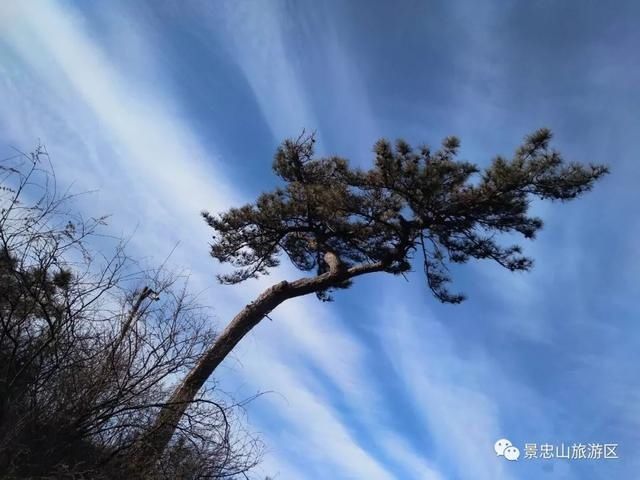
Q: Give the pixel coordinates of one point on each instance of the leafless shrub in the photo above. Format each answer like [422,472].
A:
[91,345]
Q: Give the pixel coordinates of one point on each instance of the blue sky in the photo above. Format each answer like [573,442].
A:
[168,108]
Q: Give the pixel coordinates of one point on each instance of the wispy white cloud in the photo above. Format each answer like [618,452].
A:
[463,420]
[254,33]
[418,466]
[107,131]
[313,430]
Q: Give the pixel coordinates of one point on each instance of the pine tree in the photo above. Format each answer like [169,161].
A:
[340,222]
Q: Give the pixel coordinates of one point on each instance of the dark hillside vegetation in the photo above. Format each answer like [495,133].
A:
[92,344]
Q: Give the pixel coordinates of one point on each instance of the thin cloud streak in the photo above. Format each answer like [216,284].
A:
[255,35]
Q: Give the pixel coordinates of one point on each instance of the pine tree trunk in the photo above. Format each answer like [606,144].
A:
[165,425]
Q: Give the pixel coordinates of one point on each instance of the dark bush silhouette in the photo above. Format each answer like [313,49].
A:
[91,346]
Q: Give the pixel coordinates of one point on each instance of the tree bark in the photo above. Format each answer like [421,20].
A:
[165,424]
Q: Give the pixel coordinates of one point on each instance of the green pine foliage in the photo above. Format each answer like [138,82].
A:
[411,204]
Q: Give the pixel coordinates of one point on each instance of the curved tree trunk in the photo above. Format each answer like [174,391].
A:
[165,424]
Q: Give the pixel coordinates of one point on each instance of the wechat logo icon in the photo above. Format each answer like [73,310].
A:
[504,448]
